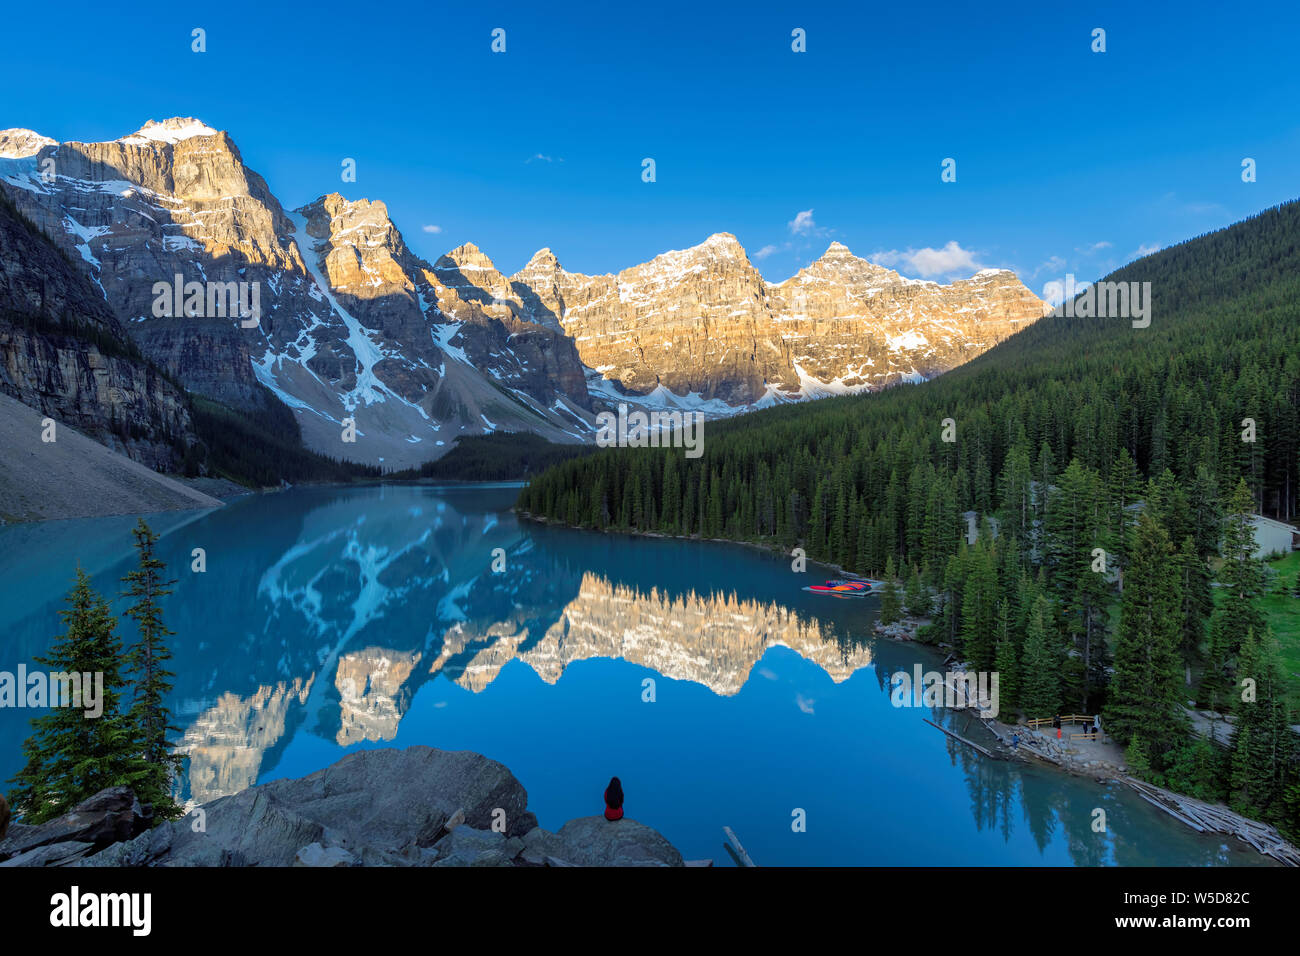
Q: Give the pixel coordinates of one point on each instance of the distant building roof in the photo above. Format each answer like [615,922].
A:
[1273,523]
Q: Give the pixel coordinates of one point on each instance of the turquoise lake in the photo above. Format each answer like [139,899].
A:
[334,619]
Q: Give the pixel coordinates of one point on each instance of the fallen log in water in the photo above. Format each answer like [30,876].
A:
[1205,817]
[970,743]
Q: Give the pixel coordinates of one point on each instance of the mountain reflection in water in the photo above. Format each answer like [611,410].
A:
[331,619]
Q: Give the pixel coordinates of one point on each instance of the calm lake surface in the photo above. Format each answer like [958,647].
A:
[331,620]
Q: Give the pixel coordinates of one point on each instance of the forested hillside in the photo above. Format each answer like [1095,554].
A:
[1077,434]
[496,456]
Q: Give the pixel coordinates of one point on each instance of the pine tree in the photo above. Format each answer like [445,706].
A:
[1241,580]
[1263,748]
[914,597]
[979,609]
[147,665]
[1135,756]
[1146,690]
[70,755]
[890,603]
[1008,670]
[1197,604]
[1040,671]
[1123,489]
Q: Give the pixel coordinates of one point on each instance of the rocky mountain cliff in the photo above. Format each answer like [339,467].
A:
[64,354]
[352,325]
[703,322]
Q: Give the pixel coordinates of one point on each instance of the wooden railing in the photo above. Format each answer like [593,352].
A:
[1065,719]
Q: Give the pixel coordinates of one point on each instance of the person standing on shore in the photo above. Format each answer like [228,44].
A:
[4,816]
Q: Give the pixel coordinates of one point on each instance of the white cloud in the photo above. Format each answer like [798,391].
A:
[765,252]
[1146,250]
[927,262]
[1092,249]
[543,158]
[802,224]
[1053,264]
[431,228]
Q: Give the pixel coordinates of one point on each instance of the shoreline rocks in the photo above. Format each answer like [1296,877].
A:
[387,807]
[101,821]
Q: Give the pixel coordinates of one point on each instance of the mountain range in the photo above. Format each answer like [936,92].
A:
[353,325]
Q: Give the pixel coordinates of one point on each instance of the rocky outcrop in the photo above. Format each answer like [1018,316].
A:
[108,817]
[385,807]
[413,807]
[595,841]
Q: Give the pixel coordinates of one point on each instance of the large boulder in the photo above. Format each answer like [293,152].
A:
[106,818]
[383,807]
[595,841]
[465,846]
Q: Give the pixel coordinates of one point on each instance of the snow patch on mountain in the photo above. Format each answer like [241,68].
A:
[170,131]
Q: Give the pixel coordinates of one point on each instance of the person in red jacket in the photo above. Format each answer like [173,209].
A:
[614,800]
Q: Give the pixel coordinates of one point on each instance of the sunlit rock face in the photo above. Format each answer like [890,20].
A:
[354,325]
[227,742]
[703,322]
[349,326]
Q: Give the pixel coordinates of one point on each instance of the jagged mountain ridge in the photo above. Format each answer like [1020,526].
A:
[355,325]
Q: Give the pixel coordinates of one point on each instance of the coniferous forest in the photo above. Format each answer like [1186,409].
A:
[1112,471]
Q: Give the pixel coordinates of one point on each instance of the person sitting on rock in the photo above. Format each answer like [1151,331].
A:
[614,800]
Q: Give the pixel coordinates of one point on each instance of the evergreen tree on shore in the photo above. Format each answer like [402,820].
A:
[1146,690]
[890,602]
[147,665]
[1008,670]
[71,756]
[1264,747]
[915,599]
[1040,670]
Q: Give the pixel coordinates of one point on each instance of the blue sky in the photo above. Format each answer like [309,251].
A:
[1067,160]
